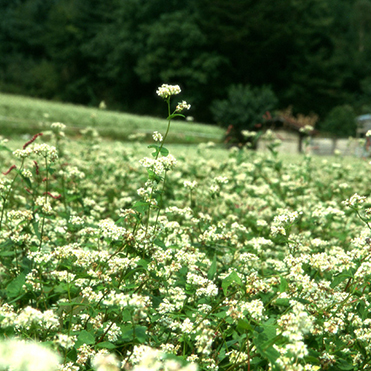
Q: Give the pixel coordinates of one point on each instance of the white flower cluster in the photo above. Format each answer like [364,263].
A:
[65,341]
[18,355]
[43,149]
[109,229]
[46,151]
[146,358]
[306,129]
[104,361]
[294,326]
[206,287]
[4,185]
[28,318]
[23,153]
[123,300]
[26,173]
[58,125]
[283,221]
[249,134]
[182,106]
[20,215]
[190,185]
[157,137]
[45,204]
[355,200]
[158,166]
[165,90]
[221,180]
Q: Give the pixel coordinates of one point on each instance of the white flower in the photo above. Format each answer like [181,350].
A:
[165,90]
[157,137]
[27,356]
[106,362]
[58,125]
[182,106]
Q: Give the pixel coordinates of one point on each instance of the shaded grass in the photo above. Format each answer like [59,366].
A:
[23,115]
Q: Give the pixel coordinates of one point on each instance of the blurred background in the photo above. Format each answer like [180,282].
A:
[313,56]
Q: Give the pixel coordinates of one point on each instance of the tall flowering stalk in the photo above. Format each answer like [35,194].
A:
[22,154]
[163,161]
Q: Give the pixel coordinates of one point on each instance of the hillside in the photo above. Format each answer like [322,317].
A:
[23,115]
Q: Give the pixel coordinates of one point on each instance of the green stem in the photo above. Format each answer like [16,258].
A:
[168,127]
[158,153]
[159,208]
[45,202]
[8,194]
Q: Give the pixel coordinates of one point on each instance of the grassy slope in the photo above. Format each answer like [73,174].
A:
[24,115]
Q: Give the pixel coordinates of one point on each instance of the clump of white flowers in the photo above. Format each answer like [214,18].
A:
[355,201]
[20,355]
[182,106]
[165,90]
[157,137]
[283,221]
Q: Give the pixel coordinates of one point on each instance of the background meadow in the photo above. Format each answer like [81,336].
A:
[120,255]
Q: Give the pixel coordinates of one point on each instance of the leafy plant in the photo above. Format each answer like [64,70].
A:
[118,261]
[243,109]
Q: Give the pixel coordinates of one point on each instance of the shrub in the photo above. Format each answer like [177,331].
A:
[340,122]
[244,108]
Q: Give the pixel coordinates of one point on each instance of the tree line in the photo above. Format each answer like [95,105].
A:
[312,55]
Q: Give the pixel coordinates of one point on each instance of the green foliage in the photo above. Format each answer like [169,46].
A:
[238,261]
[340,122]
[314,54]
[244,108]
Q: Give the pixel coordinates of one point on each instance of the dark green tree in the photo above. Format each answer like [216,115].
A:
[243,109]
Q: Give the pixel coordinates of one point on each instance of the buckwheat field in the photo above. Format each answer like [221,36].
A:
[125,257]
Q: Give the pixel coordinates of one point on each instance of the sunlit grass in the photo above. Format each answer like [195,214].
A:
[22,115]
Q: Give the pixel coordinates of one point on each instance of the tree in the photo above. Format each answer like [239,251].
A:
[243,109]
[340,123]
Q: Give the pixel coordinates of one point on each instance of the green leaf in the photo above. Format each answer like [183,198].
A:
[15,288]
[174,115]
[140,333]
[340,278]
[229,280]
[7,244]
[137,333]
[159,243]
[344,365]
[153,176]
[164,151]
[72,303]
[212,269]
[35,226]
[142,263]
[264,343]
[106,345]
[283,284]
[3,148]
[141,206]
[222,314]
[26,180]
[7,253]
[50,170]
[283,302]
[6,248]
[244,325]
[85,337]
[126,316]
